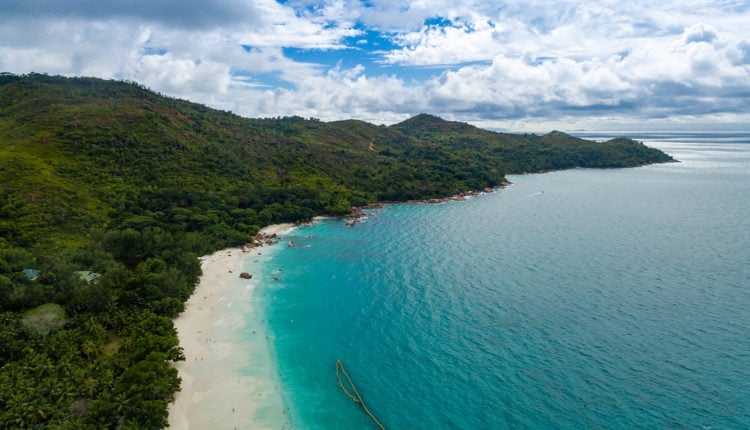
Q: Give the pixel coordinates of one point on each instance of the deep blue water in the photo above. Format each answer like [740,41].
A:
[610,299]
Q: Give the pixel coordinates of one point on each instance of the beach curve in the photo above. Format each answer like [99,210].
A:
[218,390]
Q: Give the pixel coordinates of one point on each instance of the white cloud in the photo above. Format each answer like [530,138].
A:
[378,99]
[512,61]
[459,43]
[183,77]
[580,29]
[171,53]
[701,58]
[284,27]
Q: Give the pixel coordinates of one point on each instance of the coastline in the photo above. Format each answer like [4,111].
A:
[224,385]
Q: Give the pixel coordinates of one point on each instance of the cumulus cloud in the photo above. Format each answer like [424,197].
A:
[701,59]
[440,44]
[507,62]
[654,79]
[379,99]
[186,49]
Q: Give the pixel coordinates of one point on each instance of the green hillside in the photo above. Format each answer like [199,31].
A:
[111,178]
[529,152]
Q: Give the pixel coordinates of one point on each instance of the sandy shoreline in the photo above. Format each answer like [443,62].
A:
[217,390]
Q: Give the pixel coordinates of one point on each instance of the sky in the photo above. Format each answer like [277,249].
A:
[590,65]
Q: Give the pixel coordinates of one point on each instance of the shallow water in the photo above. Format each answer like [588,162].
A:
[576,299]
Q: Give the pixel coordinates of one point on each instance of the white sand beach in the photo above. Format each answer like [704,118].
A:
[225,383]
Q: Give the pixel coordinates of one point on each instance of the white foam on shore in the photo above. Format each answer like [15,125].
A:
[228,378]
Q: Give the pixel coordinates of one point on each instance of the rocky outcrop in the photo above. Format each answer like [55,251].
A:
[259,240]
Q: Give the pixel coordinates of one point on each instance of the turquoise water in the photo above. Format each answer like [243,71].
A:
[611,299]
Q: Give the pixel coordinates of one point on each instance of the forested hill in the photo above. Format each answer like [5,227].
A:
[84,152]
[109,177]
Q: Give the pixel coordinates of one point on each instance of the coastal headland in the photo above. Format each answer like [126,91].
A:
[111,178]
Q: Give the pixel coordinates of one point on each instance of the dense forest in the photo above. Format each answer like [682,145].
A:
[110,192]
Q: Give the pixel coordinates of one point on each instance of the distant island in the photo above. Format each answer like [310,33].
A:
[110,192]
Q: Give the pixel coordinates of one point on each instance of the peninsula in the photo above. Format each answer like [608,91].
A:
[130,187]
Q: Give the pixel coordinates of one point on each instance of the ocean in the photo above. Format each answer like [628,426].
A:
[579,299]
